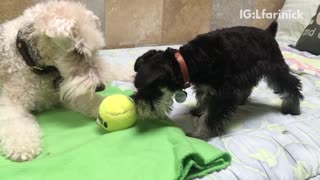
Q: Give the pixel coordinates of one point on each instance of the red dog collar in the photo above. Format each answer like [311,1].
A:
[184,69]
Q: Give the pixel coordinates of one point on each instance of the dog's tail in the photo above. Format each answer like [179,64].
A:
[272,29]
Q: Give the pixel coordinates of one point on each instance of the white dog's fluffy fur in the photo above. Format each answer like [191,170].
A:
[65,35]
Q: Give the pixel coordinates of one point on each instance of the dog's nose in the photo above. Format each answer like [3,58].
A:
[100,87]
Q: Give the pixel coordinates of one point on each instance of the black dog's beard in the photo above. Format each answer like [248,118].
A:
[155,108]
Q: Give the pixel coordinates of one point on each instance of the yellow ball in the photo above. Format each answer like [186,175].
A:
[117,112]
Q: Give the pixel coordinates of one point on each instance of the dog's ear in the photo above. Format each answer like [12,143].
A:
[142,59]
[62,27]
[81,47]
[147,75]
[25,32]
[95,19]
[25,40]
[58,27]
[170,51]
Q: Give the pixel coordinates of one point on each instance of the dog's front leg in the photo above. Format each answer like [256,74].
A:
[211,122]
[87,105]
[19,131]
[202,92]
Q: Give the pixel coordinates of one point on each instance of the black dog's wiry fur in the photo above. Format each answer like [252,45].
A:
[224,66]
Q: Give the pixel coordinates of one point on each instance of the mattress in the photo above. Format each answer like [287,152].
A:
[264,143]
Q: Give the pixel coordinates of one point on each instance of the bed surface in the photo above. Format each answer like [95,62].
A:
[264,143]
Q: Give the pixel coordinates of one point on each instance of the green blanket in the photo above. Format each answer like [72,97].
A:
[75,147]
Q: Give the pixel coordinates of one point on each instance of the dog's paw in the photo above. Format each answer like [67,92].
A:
[202,133]
[202,136]
[291,106]
[20,140]
[290,110]
[21,148]
[243,97]
[22,154]
[242,102]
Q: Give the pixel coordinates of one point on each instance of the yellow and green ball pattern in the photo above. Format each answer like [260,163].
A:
[117,112]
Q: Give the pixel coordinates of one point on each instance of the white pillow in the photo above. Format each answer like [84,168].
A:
[291,29]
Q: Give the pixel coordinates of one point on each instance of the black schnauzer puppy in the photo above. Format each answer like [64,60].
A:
[223,66]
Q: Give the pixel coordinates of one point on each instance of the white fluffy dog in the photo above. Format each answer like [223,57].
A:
[47,57]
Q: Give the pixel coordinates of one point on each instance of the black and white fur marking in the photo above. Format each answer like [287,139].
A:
[224,66]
